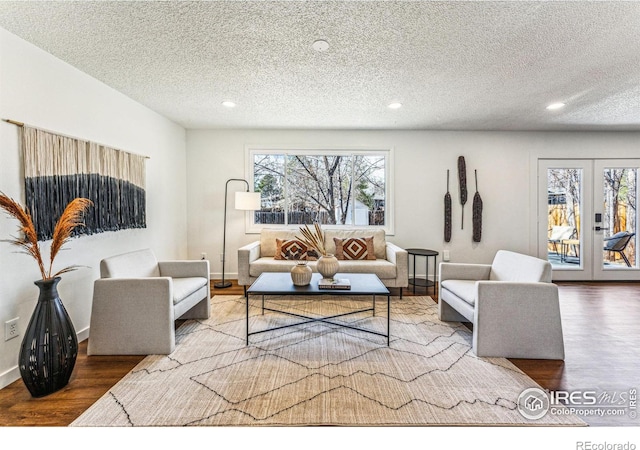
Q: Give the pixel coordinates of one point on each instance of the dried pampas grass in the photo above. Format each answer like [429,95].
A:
[69,220]
[313,239]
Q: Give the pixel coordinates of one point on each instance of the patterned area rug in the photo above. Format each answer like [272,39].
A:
[318,373]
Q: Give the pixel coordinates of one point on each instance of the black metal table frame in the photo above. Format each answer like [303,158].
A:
[423,282]
[324,319]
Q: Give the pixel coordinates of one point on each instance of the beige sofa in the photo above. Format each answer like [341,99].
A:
[391,263]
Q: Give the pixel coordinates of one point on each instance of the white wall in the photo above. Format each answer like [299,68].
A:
[505,161]
[40,90]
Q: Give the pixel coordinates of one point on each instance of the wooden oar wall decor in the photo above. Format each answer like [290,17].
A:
[447,213]
[462,180]
[476,207]
[477,213]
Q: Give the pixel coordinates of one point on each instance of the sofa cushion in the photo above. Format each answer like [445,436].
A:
[355,248]
[266,264]
[381,267]
[511,266]
[464,289]
[294,249]
[268,239]
[379,240]
[184,287]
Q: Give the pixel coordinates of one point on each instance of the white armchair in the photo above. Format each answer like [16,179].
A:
[137,299]
[512,303]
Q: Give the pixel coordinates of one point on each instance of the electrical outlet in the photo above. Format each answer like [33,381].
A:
[445,255]
[203,255]
[11,329]
[221,257]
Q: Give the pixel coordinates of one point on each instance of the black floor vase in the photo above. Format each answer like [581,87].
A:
[50,345]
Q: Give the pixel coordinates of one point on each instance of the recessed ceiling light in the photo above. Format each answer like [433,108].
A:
[557,105]
[320,45]
[228,104]
[394,105]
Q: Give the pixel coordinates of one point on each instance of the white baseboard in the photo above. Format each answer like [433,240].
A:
[13,374]
[8,377]
[227,276]
[83,334]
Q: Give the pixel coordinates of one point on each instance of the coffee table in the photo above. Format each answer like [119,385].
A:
[276,283]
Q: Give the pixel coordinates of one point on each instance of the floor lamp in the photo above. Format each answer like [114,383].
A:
[246,201]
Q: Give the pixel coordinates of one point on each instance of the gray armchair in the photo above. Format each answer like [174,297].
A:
[137,299]
[512,303]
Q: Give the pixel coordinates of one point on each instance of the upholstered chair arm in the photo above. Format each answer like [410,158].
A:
[460,271]
[127,311]
[399,256]
[250,251]
[521,320]
[246,255]
[184,269]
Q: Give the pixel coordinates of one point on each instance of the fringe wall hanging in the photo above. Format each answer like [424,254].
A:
[58,169]
[462,177]
[447,213]
[477,213]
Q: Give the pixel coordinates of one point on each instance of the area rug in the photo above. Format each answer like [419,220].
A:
[319,373]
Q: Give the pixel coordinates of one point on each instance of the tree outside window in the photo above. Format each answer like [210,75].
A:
[331,188]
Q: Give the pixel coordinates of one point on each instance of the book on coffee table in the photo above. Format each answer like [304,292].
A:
[334,283]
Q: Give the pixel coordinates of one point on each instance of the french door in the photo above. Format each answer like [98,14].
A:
[588,218]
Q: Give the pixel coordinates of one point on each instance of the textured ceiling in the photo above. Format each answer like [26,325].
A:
[453,65]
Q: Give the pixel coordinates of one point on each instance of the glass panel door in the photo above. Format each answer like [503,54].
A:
[588,218]
[564,217]
[616,220]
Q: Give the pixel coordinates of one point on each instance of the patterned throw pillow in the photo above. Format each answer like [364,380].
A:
[293,249]
[355,248]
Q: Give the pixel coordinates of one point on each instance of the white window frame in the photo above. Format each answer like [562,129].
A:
[388,153]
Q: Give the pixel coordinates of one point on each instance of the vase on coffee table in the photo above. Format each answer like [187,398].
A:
[328,266]
[301,274]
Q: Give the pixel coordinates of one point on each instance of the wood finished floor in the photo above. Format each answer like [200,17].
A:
[602,345]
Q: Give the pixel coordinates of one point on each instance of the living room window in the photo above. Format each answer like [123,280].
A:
[332,187]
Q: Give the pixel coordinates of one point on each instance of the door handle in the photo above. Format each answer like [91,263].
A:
[600,228]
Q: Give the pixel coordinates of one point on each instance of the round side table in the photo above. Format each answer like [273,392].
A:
[419,281]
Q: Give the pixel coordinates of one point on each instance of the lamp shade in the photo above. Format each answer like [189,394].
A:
[248,201]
